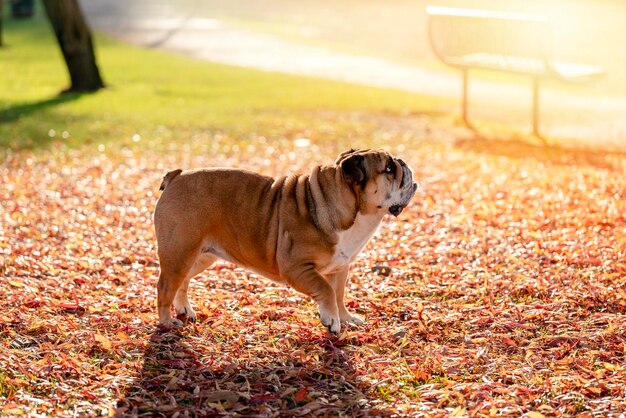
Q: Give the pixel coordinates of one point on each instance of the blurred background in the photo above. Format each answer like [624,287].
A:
[385,43]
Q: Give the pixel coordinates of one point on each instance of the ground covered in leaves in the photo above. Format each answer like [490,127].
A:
[500,291]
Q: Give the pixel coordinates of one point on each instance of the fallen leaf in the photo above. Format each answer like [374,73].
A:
[104,341]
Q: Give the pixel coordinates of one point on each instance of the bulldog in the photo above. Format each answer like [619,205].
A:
[302,230]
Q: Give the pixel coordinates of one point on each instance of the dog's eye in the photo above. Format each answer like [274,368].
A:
[391,167]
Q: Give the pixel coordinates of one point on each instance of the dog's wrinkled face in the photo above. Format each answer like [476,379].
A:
[382,182]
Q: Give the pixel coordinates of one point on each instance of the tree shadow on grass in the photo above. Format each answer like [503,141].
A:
[548,153]
[177,378]
[13,113]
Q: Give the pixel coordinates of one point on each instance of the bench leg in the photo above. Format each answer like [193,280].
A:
[465,99]
[536,132]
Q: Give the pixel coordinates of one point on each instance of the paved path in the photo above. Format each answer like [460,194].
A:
[184,26]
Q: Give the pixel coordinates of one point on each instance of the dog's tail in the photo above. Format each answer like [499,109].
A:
[169,177]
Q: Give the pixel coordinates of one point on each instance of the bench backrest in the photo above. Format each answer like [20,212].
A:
[457,33]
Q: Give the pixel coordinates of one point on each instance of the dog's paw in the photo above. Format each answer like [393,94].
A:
[330,321]
[171,323]
[352,319]
[186,312]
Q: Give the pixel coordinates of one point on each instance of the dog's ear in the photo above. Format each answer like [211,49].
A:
[353,169]
[345,154]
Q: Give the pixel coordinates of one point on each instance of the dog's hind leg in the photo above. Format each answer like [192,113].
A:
[175,269]
[181,300]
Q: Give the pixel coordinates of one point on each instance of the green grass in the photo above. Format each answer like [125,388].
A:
[165,97]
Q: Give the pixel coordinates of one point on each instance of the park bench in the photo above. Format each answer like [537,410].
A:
[511,42]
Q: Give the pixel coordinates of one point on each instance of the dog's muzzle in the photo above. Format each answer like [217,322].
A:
[408,188]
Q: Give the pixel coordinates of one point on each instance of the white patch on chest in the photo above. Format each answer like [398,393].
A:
[351,242]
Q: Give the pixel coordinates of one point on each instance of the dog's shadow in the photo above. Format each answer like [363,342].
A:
[178,379]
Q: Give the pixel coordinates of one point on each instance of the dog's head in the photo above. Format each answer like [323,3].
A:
[380,181]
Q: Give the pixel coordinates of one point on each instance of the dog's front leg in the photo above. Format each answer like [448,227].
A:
[338,282]
[309,281]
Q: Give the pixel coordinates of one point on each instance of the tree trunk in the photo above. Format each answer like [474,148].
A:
[1,14]
[74,38]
